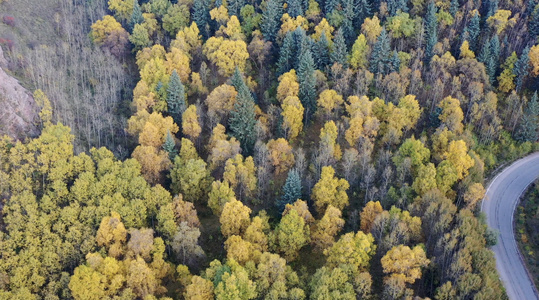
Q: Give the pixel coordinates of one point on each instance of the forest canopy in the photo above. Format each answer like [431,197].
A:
[292,149]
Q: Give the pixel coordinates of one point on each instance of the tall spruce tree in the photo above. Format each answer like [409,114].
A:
[521,68]
[393,6]
[176,97]
[339,53]
[529,123]
[286,55]
[533,22]
[532,5]
[238,83]
[301,43]
[271,20]
[242,119]
[492,8]
[431,24]
[322,52]
[330,5]
[492,63]
[363,10]
[295,8]
[486,58]
[170,146]
[485,53]
[291,190]
[472,31]
[201,16]
[234,7]
[349,12]
[307,82]
[394,62]
[454,7]
[136,16]
[293,44]
[380,56]
[495,46]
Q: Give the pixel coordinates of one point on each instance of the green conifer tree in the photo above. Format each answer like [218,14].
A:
[329,6]
[472,31]
[530,122]
[242,119]
[136,16]
[491,7]
[271,20]
[349,12]
[339,53]
[286,55]
[363,10]
[291,190]
[170,146]
[431,22]
[295,8]
[234,7]
[322,52]
[495,46]
[395,62]
[521,68]
[201,16]
[176,97]
[301,43]
[454,7]
[307,82]
[380,55]
[533,21]
[393,6]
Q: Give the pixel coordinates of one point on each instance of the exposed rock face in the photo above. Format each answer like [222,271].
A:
[18,111]
[3,61]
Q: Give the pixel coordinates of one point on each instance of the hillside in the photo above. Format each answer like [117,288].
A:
[275,149]
[47,46]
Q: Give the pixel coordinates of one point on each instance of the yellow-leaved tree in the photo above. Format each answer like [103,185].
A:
[122,8]
[292,116]
[291,235]
[235,218]
[241,175]
[281,155]
[226,54]
[452,114]
[288,85]
[330,190]
[324,231]
[219,195]
[190,125]
[369,214]
[103,29]
[405,262]
[221,147]
[323,27]
[221,101]
[352,250]
[330,101]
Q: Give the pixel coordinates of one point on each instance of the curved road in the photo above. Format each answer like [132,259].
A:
[499,205]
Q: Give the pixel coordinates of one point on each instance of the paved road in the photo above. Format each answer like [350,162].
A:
[499,205]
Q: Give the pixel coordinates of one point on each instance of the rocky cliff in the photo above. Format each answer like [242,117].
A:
[18,111]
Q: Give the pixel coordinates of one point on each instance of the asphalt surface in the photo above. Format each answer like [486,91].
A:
[499,205]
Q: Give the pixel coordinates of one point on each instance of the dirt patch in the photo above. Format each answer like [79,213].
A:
[18,111]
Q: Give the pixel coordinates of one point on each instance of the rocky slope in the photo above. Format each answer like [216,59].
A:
[18,111]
